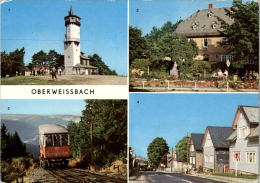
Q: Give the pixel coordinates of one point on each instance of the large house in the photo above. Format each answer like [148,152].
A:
[216,148]
[244,140]
[195,150]
[203,28]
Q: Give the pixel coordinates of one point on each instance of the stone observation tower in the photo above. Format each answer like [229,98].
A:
[72,42]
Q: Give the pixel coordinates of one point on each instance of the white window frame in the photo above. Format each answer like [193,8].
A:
[224,58]
[192,148]
[253,153]
[242,132]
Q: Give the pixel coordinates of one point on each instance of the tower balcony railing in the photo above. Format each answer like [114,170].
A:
[71,39]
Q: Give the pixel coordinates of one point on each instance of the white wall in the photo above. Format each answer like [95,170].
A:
[243,146]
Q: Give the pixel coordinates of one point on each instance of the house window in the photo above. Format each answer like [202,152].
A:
[214,25]
[205,42]
[250,157]
[210,14]
[193,160]
[236,156]
[192,148]
[224,58]
[242,132]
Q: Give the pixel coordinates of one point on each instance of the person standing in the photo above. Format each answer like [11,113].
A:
[59,71]
[53,73]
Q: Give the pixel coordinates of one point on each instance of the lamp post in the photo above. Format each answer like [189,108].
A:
[228,64]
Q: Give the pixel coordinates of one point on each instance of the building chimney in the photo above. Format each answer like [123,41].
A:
[211,6]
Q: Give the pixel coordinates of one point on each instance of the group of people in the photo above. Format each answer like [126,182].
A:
[251,75]
[220,74]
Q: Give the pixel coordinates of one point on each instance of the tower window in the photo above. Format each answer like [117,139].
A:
[68,56]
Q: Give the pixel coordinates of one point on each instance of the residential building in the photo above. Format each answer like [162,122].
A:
[216,148]
[203,28]
[244,141]
[195,150]
[172,164]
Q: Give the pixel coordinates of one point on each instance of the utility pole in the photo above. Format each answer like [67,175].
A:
[172,159]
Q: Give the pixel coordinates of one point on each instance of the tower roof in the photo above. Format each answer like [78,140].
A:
[71,12]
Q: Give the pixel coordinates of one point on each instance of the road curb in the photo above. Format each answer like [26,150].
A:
[226,179]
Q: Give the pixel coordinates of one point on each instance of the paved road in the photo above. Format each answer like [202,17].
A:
[159,177]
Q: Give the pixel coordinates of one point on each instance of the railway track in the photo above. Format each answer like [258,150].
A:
[82,176]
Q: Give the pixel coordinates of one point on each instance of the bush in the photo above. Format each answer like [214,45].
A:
[200,169]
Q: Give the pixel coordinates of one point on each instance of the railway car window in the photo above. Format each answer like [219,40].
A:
[48,140]
[64,140]
[56,140]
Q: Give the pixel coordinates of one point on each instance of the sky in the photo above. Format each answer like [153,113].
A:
[173,116]
[145,14]
[42,107]
[39,25]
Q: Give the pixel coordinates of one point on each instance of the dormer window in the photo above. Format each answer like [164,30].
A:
[243,132]
[195,26]
[214,25]
[210,14]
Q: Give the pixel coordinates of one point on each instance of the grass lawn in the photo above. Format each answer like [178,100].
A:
[31,80]
[238,175]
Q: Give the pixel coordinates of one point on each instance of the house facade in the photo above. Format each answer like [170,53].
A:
[203,28]
[195,150]
[216,149]
[244,141]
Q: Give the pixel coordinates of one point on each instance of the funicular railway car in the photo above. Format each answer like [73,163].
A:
[55,150]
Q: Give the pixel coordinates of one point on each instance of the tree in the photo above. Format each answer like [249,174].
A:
[243,34]
[11,145]
[162,44]
[142,63]
[55,59]
[156,150]
[40,58]
[50,59]
[12,63]
[156,33]
[182,149]
[4,141]
[137,44]
[103,69]
[178,48]
[102,132]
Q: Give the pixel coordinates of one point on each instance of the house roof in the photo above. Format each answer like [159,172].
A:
[203,23]
[219,135]
[254,133]
[233,136]
[84,57]
[250,113]
[84,66]
[197,139]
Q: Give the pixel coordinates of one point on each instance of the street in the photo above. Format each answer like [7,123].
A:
[160,177]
